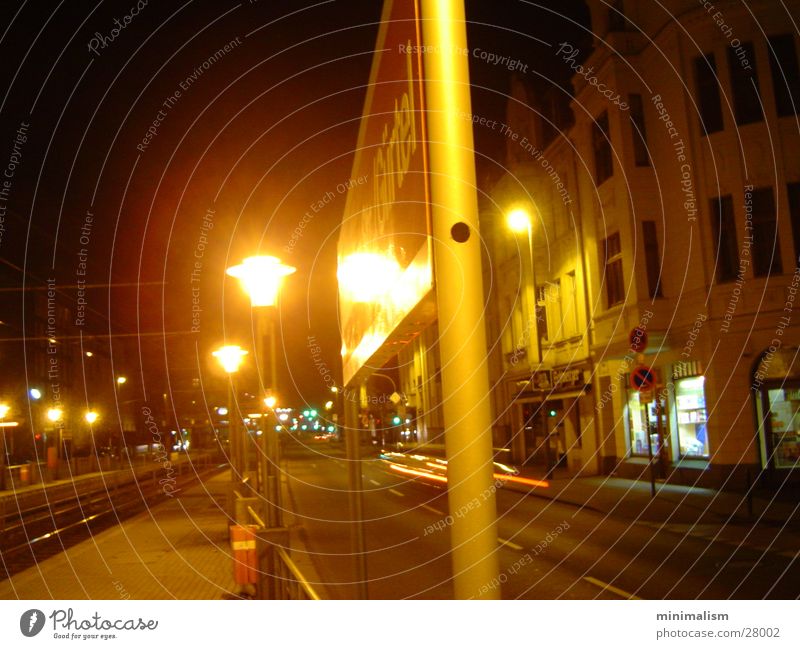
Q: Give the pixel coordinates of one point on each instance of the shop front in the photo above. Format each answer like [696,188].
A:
[548,427]
[669,422]
[776,387]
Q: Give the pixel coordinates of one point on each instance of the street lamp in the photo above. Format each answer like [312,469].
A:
[56,416]
[261,277]
[230,357]
[520,221]
[122,380]
[91,416]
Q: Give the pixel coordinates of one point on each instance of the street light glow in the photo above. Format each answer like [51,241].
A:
[122,380]
[367,276]
[270,402]
[230,357]
[261,278]
[35,393]
[4,409]
[55,414]
[328,405]
[91,416]
[519,220]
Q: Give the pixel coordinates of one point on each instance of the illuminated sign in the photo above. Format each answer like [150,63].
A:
[385,268]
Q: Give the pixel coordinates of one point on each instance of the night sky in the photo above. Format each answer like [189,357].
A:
[203,132]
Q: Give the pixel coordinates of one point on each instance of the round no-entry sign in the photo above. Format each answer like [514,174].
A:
[643,378]
[638,339]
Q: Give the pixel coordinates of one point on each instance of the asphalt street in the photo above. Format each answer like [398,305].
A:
[546,550]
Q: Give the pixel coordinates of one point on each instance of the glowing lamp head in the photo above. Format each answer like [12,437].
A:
[35,393]
[121,380]
[334,389]
[230,357]
[328,405]
[261,278]
[4,409]
[55,414]
[91,416]
[270,402]
[519,220]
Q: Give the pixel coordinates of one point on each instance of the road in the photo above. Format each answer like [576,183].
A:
[546,550]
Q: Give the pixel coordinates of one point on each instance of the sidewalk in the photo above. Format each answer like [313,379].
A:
[708,514]
[177,550]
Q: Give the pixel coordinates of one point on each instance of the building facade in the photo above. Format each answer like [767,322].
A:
[650,309]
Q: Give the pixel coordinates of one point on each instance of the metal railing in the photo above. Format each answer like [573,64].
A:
[278,577]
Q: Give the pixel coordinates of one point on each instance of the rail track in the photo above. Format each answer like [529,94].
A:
[40,522]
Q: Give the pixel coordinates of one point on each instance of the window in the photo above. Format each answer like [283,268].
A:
[783,425]
[744,84]
[639,134]
[690,405]
[793,189]
[611,254]
[643,419]
[766,244]
[707,84]
[541,312]
[570,305]
[617,22]
[601,144]
[552,296]
[723,228]
[652,259]
[785,74]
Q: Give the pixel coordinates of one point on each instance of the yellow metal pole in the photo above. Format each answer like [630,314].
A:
[459,282]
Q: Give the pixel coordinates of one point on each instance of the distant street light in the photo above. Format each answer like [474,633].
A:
[230,357]
[55,414]
[91,416]
[4,410]
[122,380]
[35,393]
[270,402]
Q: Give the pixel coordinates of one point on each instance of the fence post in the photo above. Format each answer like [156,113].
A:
[270,586]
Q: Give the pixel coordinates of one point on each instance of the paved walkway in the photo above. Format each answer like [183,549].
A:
[708,514]
[177,550]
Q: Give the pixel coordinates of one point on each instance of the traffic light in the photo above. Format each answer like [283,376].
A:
[396,420]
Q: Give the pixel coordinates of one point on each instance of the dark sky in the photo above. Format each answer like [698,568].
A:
[257,135]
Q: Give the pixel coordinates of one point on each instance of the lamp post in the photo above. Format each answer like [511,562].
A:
[230,357]
[56,417]
[4,410]
[261,277]
[519,221]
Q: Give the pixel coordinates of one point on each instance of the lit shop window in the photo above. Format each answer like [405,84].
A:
[637,420]
[784,427]
[643,417]
[690,405]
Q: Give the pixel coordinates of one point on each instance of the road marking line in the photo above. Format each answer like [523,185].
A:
[510,544]
[375,482]
[432,509]
[610,588]
[395,492]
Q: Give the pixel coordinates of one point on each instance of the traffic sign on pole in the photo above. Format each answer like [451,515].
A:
[643,378]
[638,339]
